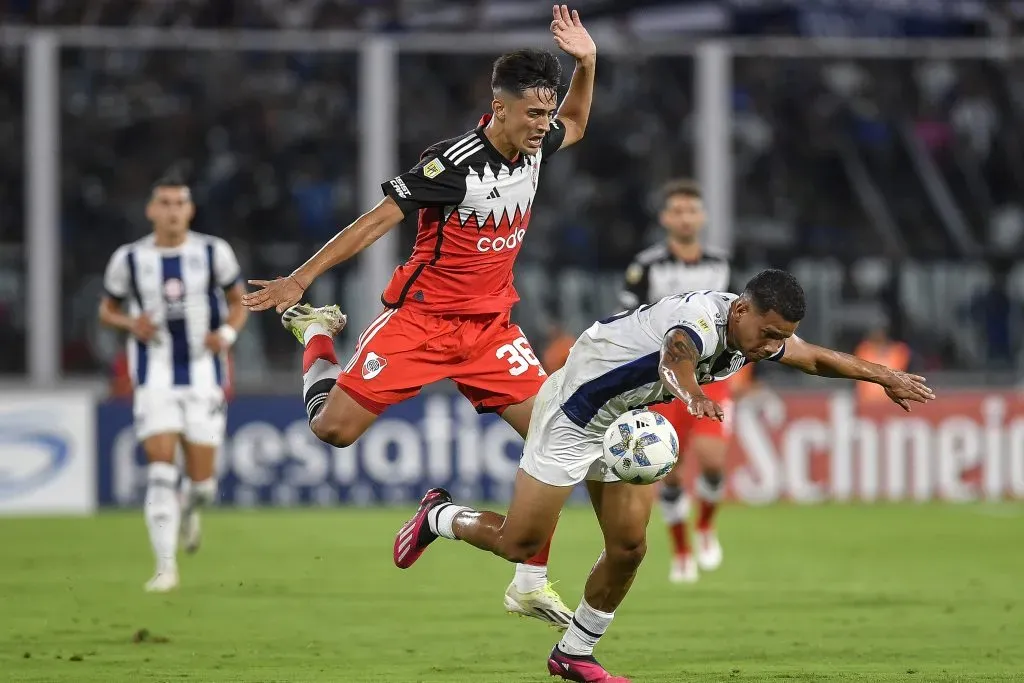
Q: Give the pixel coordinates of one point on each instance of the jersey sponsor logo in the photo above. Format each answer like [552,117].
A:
[400,188]
[174,290]
[433,169]
[485,244]
[174,297]
[373,365]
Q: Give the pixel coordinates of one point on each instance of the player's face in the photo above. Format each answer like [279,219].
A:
[170,210]
[527,119]
[756,334]
[682,217]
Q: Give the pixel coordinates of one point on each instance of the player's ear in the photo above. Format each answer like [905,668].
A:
[498,107]
[742,306]
[150,210]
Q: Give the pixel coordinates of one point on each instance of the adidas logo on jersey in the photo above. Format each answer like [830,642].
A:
[494,194]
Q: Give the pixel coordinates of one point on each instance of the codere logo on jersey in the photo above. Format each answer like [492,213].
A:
[373,365]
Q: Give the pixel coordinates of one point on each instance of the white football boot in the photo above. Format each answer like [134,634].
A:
[544,604]
[709,550]
[163,582]
[683,569]
[300,316]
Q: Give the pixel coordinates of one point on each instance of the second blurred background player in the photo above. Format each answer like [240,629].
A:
[681,264]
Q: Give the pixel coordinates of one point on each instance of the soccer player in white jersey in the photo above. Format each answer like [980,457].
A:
[680,263]
[178,295]
[650,354]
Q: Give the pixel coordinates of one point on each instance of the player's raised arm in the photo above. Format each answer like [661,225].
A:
[677,369]
[899,386]
[573,39]
[287,291]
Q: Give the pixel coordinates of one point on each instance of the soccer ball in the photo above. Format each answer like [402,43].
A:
[641,447]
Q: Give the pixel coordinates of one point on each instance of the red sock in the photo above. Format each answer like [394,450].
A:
[321,346]
[541,558]
[680,538]
[707,515]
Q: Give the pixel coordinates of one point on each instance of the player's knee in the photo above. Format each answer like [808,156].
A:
[519,550]
[713,476]
[334,432]
[628,552]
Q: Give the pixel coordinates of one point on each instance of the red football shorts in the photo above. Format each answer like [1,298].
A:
[687,425]
[401,351]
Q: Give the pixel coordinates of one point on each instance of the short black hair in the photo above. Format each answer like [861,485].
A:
[172,178]
[680,187]
[519,71]
[776,290]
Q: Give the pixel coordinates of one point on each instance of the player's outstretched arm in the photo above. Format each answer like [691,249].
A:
[900,387]
[677,369]
[287,291]
[573,39]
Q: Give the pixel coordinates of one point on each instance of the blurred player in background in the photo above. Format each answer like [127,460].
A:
[447,309]
[879,347]
[178,295]
[680,264]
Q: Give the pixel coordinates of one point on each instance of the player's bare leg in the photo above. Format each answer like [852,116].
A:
[623,511]
[162,509]
[515,536]
[531,593]
[198,491]
[710,452]
[334,416]
[675,510]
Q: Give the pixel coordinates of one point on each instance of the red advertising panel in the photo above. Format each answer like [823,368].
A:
[808,448]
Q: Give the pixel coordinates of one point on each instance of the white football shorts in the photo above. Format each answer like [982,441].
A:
[557,450]
[199,415]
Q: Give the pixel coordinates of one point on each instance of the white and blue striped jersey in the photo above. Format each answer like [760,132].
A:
[182,290]
[613,366]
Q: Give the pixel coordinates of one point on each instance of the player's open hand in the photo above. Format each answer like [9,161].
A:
[702,406]
[143,328]
[570,36]
[902,388]
[278,294]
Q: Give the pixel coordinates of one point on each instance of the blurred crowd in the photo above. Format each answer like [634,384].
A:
[835,162]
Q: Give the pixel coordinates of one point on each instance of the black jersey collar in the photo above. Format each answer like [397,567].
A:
[491,149]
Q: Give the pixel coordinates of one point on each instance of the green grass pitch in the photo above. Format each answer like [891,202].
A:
[831,593]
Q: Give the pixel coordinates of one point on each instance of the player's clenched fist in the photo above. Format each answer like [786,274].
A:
[702,406]
[143,328]
[278,294]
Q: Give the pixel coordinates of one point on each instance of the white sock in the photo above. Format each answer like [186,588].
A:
[585,629]
[710,488]
[675,504]
[200,493]
[313,330]
[163,514]
[530,577]
[441,517]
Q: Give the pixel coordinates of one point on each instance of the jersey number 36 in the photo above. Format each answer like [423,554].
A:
[520,356]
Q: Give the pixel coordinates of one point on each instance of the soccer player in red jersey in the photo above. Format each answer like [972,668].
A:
[447,309]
